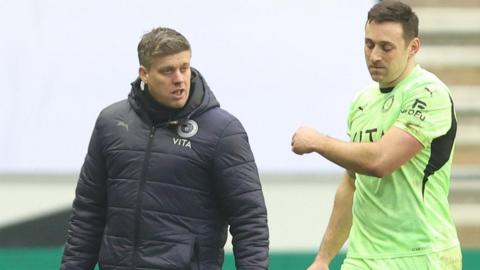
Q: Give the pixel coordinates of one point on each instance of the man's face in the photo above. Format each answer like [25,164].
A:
[168,78]
[386,53]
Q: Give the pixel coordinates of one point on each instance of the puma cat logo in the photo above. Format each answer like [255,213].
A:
[122,124]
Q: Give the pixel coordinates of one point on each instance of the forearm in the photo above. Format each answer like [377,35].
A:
[249,230]
[364,158]
[377,158]
[84,236]
[340,222]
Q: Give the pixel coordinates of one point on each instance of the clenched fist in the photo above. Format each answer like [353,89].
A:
[305,140]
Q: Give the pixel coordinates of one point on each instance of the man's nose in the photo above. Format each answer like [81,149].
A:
[178,77]
[375,55]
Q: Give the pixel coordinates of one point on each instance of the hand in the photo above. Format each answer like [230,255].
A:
[304,140]
[318,265]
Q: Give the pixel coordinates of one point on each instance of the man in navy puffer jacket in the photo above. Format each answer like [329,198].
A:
[167,171]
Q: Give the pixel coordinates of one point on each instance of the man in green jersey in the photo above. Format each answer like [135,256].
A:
[392,203]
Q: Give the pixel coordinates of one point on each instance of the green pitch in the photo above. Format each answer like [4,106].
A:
[49,258]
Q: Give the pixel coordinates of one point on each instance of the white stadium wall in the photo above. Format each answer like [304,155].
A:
[275,64]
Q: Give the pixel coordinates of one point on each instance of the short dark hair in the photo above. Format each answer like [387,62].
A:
[161,40]
[395,11]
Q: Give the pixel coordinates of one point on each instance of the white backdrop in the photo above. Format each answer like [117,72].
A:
[275,64]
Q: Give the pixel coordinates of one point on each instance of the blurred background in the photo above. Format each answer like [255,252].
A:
[274,64]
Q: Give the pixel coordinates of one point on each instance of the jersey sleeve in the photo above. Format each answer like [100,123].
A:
[426,113]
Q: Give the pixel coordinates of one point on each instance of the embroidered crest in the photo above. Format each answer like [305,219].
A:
[388,103]
[187,129]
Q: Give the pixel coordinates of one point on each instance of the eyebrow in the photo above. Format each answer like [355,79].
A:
[173,66]
[381,43]
[166,67]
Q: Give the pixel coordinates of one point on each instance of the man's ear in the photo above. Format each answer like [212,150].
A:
[414,46]
[143,73]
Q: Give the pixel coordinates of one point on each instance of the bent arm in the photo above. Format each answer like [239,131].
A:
[377,159]
[339,224]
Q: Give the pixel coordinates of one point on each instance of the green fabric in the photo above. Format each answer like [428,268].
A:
[396,215]
[450,259]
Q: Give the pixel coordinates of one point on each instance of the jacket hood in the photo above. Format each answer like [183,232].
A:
[201,99]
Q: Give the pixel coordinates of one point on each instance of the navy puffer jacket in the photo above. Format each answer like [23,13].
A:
[161,196]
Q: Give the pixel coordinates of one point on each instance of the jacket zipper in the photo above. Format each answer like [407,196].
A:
[141,187]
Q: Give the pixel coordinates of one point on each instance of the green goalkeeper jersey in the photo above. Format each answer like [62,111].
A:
[405,213]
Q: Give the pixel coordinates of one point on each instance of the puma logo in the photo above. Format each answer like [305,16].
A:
[430,91]
[362,107]
[122,124]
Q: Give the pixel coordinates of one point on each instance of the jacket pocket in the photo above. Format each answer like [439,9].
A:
[206,257]
[166,253]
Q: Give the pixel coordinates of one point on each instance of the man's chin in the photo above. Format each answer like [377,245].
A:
[376,77]
[178,105]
